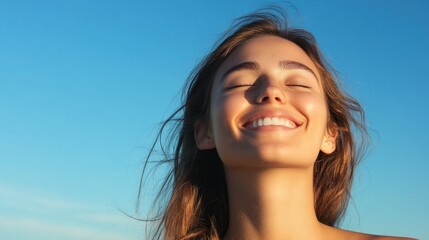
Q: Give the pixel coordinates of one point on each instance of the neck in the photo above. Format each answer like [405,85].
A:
[271,203]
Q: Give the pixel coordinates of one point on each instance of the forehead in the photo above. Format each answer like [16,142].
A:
[266,50]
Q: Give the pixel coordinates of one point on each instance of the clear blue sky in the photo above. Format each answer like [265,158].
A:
[84,84]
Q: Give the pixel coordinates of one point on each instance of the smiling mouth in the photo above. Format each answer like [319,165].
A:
[271,121]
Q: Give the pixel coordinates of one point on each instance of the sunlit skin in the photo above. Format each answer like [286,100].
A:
[269,166]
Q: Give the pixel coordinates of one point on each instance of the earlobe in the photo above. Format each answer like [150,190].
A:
[329,141]
[203,137]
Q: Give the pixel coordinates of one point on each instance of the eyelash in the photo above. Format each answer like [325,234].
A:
[240,85]
[250,85]
[298,85]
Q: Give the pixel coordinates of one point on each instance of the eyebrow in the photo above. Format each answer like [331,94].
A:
[285,65]
[242,66]
[296,65]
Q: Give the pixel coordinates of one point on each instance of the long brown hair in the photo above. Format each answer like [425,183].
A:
[197,205]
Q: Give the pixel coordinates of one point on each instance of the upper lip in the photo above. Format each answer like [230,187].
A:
[270,113]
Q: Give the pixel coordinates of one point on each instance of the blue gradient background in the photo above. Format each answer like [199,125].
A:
[84,85]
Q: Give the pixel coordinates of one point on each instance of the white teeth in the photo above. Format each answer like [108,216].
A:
[290,124]
[275,121]
[267,121]
[272,122]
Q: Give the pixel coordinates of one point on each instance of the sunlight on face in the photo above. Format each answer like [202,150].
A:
[268,106]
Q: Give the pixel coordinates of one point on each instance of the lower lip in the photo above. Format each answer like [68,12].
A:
[271,128]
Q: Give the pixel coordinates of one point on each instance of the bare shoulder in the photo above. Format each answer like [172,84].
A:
[350,235]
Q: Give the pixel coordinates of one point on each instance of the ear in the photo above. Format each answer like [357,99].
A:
[203,136]
[329,140]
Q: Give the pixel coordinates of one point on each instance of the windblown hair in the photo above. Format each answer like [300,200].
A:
[198,205]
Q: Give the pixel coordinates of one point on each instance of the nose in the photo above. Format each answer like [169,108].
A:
[271,93]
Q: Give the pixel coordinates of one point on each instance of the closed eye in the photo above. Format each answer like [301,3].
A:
[239,85]
[298,85]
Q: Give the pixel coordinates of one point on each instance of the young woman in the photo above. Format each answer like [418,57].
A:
[263,143]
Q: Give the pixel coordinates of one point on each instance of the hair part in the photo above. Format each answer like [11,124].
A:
[198,205]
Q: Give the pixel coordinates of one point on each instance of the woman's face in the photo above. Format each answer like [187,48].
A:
[267,107]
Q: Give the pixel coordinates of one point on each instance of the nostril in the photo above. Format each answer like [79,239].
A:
[270,95]
[264,99]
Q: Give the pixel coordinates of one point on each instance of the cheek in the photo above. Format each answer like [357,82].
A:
[314,108]
[224,111]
